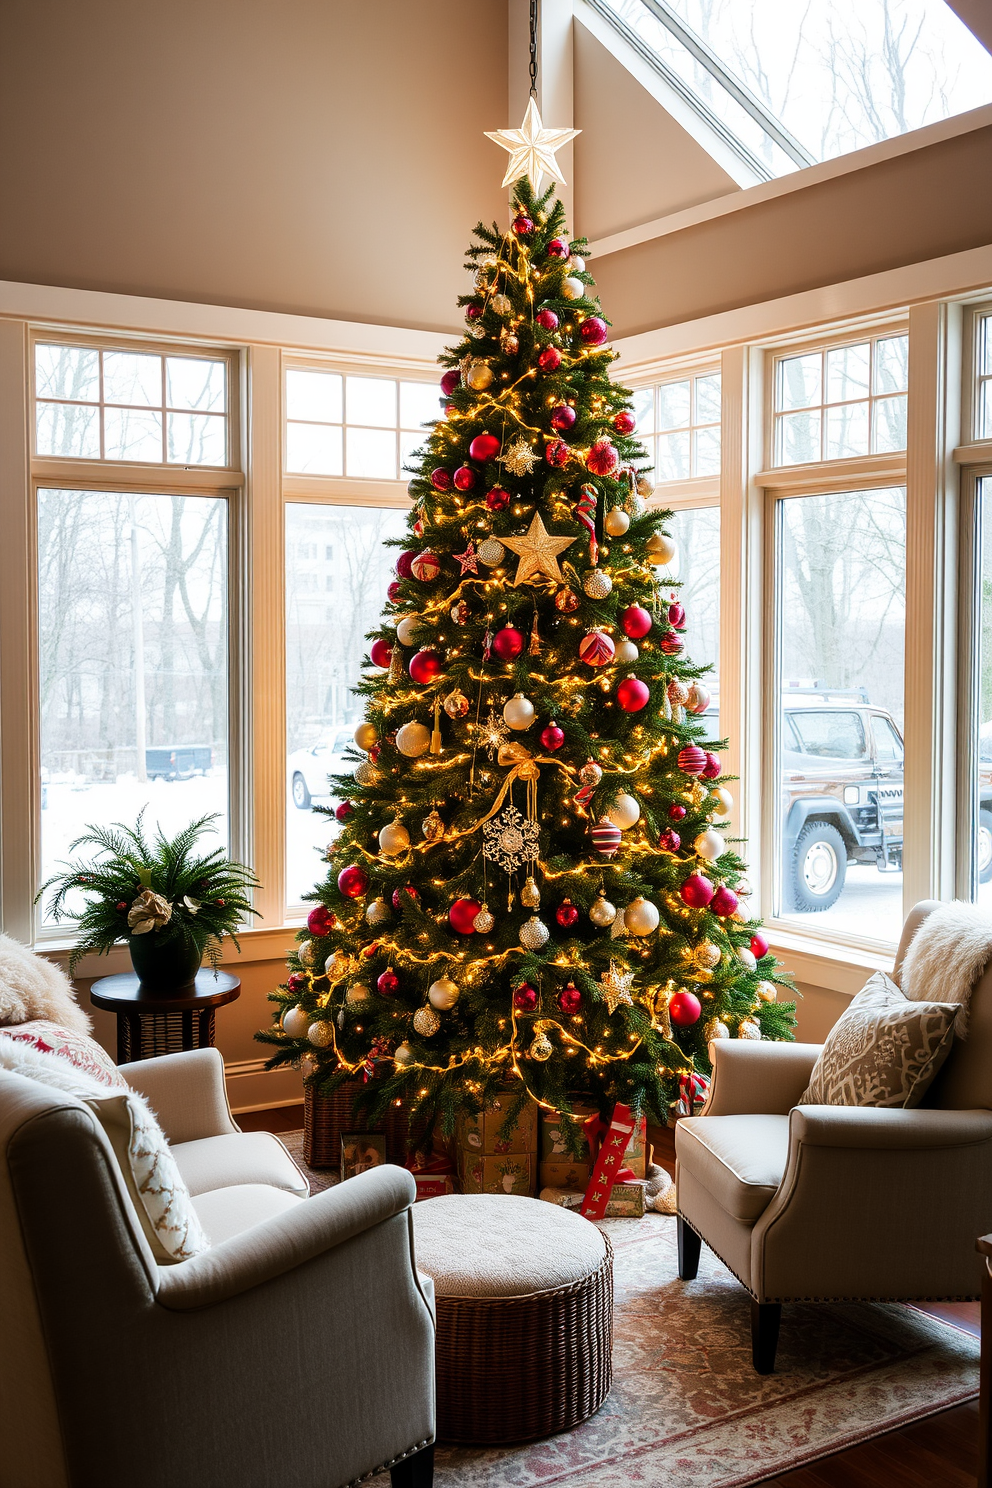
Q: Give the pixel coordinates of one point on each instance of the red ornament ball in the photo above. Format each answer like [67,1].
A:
[441,479]
[633,694]
[636,622]
[602,458]
[624,422]
[353,881]
[676,813]
[508,643]
[522,226]
[426,566]
[425,666]
[676,615]
[418,528]
[684,1009]
[711,769]
[121,907]
[393,592]
[497,499]
[570,999]
[552,737]
[320,920]
[557,248]
[697,891]
[451,379]
[547,320]
[557,453]
[759,946]
[562,417]
[671,643]
[593,331]
[525,998]
[725,902]
[566,914]
[388,983]
[343,811]
[670,841]
[296,983]
[376,748]
[462,914]
[404,563]
[550,359]
[596,649]
[484,447]
[473,312]
[692,759]
[464,478]
[398,895]
[381,654]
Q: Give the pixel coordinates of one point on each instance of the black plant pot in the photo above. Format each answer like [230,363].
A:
[164,964]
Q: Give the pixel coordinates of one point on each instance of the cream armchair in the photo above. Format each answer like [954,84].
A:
[298,1349]
[838,1203]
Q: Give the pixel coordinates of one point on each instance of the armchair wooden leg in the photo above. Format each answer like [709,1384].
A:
[689,1248]
[765,1318]
[416,1471]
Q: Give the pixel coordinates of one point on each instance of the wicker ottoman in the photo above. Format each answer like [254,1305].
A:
[524,1315]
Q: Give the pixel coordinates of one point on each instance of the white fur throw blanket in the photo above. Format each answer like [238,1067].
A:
[946,957]
[31,987]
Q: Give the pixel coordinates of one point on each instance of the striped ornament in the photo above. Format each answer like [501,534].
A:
[692,759]
[426,566]
[596,648]
[606,837]
[671,643]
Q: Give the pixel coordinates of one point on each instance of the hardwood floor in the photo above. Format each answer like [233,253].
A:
[940,1452]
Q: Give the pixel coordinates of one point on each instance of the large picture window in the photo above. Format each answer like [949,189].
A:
[697,566]
[353,425]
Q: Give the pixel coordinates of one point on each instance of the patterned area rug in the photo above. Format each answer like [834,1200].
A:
[687,1409]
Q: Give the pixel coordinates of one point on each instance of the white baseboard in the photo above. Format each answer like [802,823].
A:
[251,1087]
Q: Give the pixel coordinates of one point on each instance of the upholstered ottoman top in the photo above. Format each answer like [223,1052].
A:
[502,1245]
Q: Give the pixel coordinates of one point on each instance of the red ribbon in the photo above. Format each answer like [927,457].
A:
[607,1169]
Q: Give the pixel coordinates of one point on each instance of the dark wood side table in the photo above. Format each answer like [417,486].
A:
[154,1023]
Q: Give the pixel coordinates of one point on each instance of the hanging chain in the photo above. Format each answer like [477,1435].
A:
[533,48]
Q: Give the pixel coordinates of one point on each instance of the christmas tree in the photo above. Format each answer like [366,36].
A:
[533,885]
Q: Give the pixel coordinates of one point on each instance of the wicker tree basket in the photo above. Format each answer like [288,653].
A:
[327,1117]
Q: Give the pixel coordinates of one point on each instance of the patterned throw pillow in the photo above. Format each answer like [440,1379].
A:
[84,1052]
[883,1051]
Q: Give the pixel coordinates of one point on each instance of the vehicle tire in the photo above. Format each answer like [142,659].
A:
[984,845]
[301,796]
[814,878]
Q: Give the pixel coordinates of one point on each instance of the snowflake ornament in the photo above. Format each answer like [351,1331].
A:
[509,840]
[491,734]
[519,459]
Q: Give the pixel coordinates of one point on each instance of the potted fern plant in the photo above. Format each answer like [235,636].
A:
[171,904]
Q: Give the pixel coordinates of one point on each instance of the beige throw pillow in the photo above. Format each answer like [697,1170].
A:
[883,1051]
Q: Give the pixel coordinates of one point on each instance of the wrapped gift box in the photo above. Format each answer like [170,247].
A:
[433,1185]
[481,1133]
[626,1200]
[570,1175]
[554,1147]
[511,1173]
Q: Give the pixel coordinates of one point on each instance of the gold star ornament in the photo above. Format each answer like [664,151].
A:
[532,148]
[615,986]
[538,553]
[519,459]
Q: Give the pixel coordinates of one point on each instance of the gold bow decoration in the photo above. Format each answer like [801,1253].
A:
[523,766]
[148,912]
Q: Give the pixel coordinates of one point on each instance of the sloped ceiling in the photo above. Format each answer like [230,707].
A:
[977,16]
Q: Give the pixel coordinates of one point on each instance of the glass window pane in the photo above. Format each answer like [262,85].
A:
[314,395]
[708,399]
[888,745]
[195,382]
[672,461]
[68,429]
[797,438]
[132,434]
[674,404]
[372,453]
[892,365]
[984,420]
[889,424]
[644,409]
[371,400]
[841,575]
[197,438]
[798,381]
[846,431]
[409,444]
[420,403]
[706,458]
[132,377]
[847,372]
[325,647]
[133,668]
[697,567]
[67,372]
[982,829]
[314,449]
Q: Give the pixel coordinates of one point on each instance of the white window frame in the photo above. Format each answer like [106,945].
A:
[696,490]
[877,331]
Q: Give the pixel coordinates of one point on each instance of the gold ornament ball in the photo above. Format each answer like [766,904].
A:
[443,994]
[456,704]
[597,584]
[367,774]
[541,1049]
[490,552]
[616,521]
[710,845]
[644,486]
[716,1030]
[406,629]
[724,801]
[413,740]
[766,991]
[625,653]
[365,735]
[641,917]
[602,912]
[530,894]
[426,1022]
[533,934]
[706,954]
[624,813]
[661,549]
[404,1054]
[394,839]
[357,992]
[432,827]
[503,305]
[749,1030]
[566,602]
[484,920]
[519,712]
[295,1022]
[746,957]
[479,376]
[591,773]
[307,952]
[320,1035]
[377,912]
[337,964]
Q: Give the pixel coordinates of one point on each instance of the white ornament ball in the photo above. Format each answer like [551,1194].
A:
[338,964]
[519,712]
[749,1030]
[533,934]
[602,912]
[624,813]
[747,958]
[661,549]
[295,1022]
[378,912]
[597,584]
[306,951]
[625,653]
[706,954]
[394,839]
[641,917]
[407,629]
[743,890]
[365,735]
[357,992]
[426,1022]
[572,289]
[484,920]
[308,1065]
[576,264]
[404,1054]
[766,991]
[320,1035]
[724,800]
[710,845]
[616,521]
[413,739]
[443,994]
[716,1030]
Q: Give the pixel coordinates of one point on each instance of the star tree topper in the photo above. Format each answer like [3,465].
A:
[615,986]
[532,148]
[538,553]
